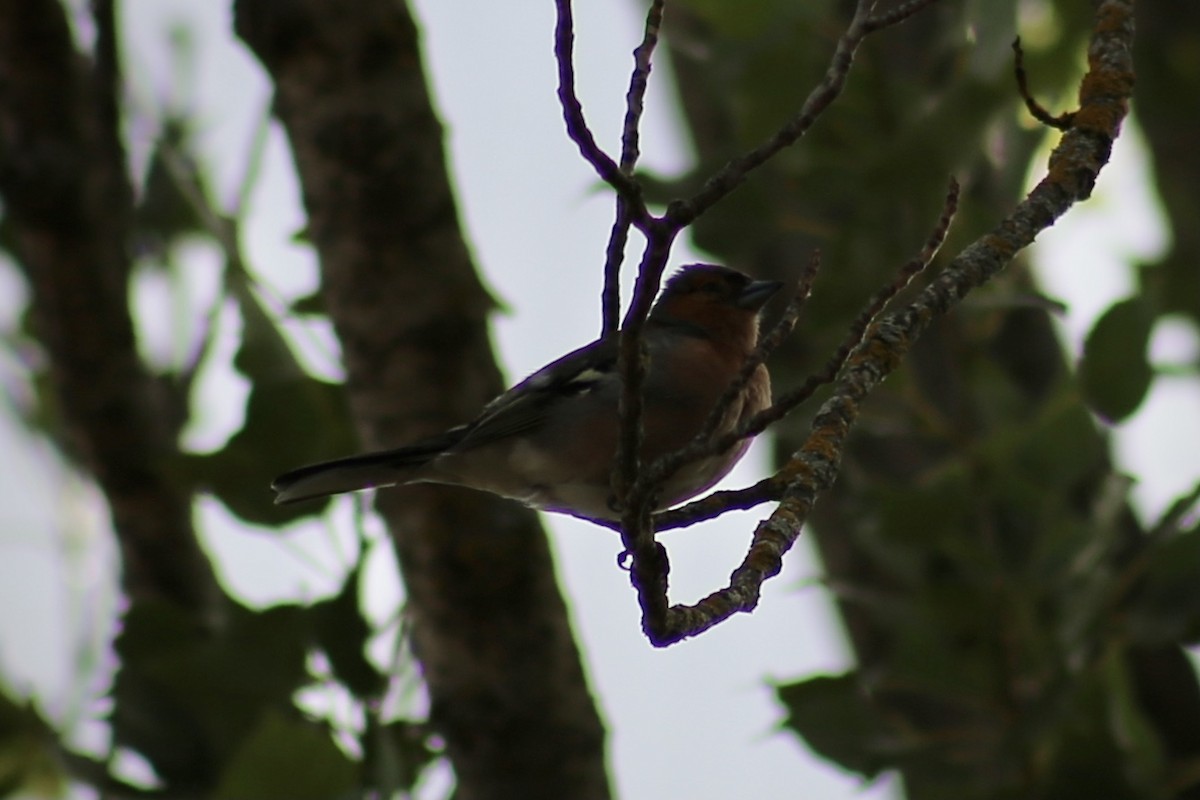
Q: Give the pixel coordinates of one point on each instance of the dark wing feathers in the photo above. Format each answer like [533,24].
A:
[523,408]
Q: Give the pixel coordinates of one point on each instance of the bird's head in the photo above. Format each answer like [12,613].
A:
[716,302]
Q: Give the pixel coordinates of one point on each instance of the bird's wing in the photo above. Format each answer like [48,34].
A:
[524,407]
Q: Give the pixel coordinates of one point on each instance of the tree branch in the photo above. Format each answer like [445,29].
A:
[630,152]
[1073,167]
[577,127]
[729,177]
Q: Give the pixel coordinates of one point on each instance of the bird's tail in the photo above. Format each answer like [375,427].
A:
[384,468]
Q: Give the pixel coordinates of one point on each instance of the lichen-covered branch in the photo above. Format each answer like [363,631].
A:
[1073,168]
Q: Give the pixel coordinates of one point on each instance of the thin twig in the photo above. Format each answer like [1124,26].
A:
[1061,122]
[650,565]
[577,127]
[630,152]
[255,160]
[614,256]
[649,562]
[729,177]
[717,503]
[638,81]
[878,302]
[635,506]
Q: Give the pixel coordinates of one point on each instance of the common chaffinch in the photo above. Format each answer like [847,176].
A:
[549,441]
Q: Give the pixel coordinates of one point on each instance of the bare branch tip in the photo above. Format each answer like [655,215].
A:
[1061,122]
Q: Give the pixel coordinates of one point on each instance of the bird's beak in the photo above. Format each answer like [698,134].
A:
[756,295]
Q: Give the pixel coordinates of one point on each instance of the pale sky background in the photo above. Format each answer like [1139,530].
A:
[697,720]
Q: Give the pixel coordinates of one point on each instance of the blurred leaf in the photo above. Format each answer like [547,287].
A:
[291,419]
[1083,757]
[836,720]
[994,26]
[1167,54]
[240,473]
[1115,372]
[395,753]
[29,762]
[264,354]
[287,759]
[186,697]
[151,713]
[1057,450]
[754,18]
[342,632]
[309,304]
[165,212]
[1166,606]
[1142,753]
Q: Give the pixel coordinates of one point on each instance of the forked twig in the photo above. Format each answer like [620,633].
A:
[576,124]
[635,97]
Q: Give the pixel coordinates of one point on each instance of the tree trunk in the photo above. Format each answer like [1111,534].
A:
[489,625]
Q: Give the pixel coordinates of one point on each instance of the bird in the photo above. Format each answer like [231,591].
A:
[549,442]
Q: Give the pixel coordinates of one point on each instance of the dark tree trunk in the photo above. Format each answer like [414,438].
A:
[489,625]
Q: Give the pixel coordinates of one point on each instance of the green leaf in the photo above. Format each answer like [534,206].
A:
[287,424]
[291,419]
[1115,372]
[186,696]
[289,759]
[309,304]
[165,213]
[264,354]
[395,753]
[751,19]
[342,632]
[29,761]
[1166,607]
[1083,758]
[835,718]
